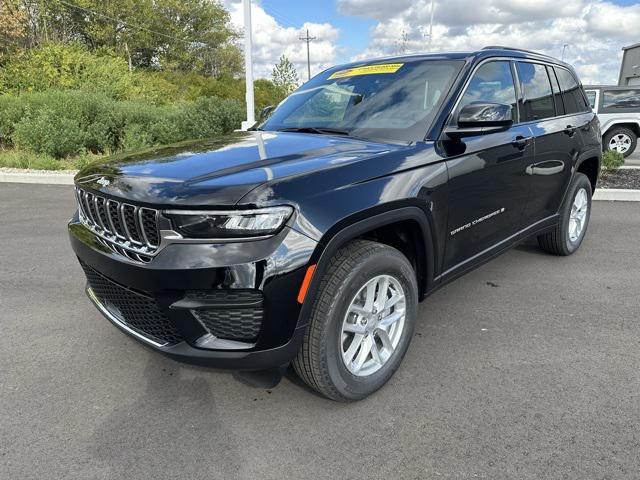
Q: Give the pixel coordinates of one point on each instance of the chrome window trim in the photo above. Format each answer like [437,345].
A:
[517,85]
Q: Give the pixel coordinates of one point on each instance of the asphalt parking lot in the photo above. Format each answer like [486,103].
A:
[527,368]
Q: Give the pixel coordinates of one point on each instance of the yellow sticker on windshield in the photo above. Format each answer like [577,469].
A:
[366,70]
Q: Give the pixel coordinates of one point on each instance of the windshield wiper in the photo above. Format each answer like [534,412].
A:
[316,130]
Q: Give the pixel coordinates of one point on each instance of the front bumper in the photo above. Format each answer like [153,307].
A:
[183,278]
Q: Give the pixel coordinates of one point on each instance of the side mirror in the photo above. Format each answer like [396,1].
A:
[265,112]
[480,118]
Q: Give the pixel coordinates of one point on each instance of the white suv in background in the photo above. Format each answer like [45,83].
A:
[618,109]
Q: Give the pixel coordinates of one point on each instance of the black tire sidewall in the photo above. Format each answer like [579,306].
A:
[579,181]
[616,130]
[388,262]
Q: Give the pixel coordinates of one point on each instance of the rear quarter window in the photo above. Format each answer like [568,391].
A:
[572,93]
[621,99]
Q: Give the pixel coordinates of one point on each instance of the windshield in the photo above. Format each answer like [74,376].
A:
[395,101]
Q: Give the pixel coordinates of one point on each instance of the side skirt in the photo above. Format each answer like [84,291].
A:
[483,257]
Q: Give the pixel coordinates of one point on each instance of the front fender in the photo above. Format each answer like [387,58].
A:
[359,224]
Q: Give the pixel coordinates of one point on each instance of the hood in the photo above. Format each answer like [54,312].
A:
[223,170]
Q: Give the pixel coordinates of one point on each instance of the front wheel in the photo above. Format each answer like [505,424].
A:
[362,322]
[567,236]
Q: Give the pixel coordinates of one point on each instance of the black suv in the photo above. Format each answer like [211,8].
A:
[311,238]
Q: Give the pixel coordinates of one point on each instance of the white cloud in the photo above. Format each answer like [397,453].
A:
[594,30]
[272,39]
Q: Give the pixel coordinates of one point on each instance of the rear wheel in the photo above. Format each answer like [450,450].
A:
[621,139]
[362,322]
[567,236]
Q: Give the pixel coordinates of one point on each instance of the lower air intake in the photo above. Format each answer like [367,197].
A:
[137,311]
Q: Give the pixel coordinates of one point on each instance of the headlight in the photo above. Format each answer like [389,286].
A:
[229,224]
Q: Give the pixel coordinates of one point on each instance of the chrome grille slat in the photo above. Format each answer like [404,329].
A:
[125,229]
[107,207]
[141,225]
[115,219]
[87,204]
[80,203]
[96,205]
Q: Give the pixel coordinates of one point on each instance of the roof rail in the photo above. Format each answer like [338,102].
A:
[502,47]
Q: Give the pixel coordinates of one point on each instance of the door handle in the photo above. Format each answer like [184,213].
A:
[570,130]
[521,142]
[539,169]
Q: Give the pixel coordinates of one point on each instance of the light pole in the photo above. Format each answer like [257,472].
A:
[248,67]
[564,49]
[431,25]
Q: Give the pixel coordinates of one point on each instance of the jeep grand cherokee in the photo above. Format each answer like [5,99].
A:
[311,238]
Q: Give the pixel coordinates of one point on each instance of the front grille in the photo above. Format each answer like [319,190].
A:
[136,310]
[126,229]
[237,314]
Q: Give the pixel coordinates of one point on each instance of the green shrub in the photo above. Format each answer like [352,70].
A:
[209,117]
[12,110]
[67,66]
[23,159]
[612,160]
[49,133]
[66,123]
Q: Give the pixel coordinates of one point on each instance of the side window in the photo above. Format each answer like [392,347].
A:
[492,82]
[621,99]
[574,101]
[557,96]
[591,96]
[537,95]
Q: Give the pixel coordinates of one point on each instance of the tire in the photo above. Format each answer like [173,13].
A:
[320,360]
[563,239]
[627,137]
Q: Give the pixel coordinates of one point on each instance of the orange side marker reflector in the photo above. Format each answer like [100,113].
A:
[305,283]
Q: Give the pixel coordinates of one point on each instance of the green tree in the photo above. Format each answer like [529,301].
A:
[285,75]
[12,27]
[187,35]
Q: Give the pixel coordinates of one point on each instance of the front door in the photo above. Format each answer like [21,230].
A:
[488,186]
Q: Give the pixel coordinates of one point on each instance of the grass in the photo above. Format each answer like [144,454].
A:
[15,158]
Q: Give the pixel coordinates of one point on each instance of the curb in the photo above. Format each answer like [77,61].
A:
[629,167]
[40,178]
[617,195]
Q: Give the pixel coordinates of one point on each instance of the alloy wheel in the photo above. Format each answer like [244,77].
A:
[373,325]
[620,142]
[578,215]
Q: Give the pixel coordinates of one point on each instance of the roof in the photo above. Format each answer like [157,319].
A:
[635,45]
[609,87]
[492,51]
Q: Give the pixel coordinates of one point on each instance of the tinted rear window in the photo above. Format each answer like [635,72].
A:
[621,99]
[591,96]
[536,91]
[574,101]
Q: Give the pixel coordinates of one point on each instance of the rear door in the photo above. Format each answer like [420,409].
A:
[488,187]
[554,119]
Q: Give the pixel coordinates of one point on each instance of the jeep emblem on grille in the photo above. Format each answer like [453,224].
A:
[103,181]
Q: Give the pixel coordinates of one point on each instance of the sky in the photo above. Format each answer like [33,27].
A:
[594,31]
